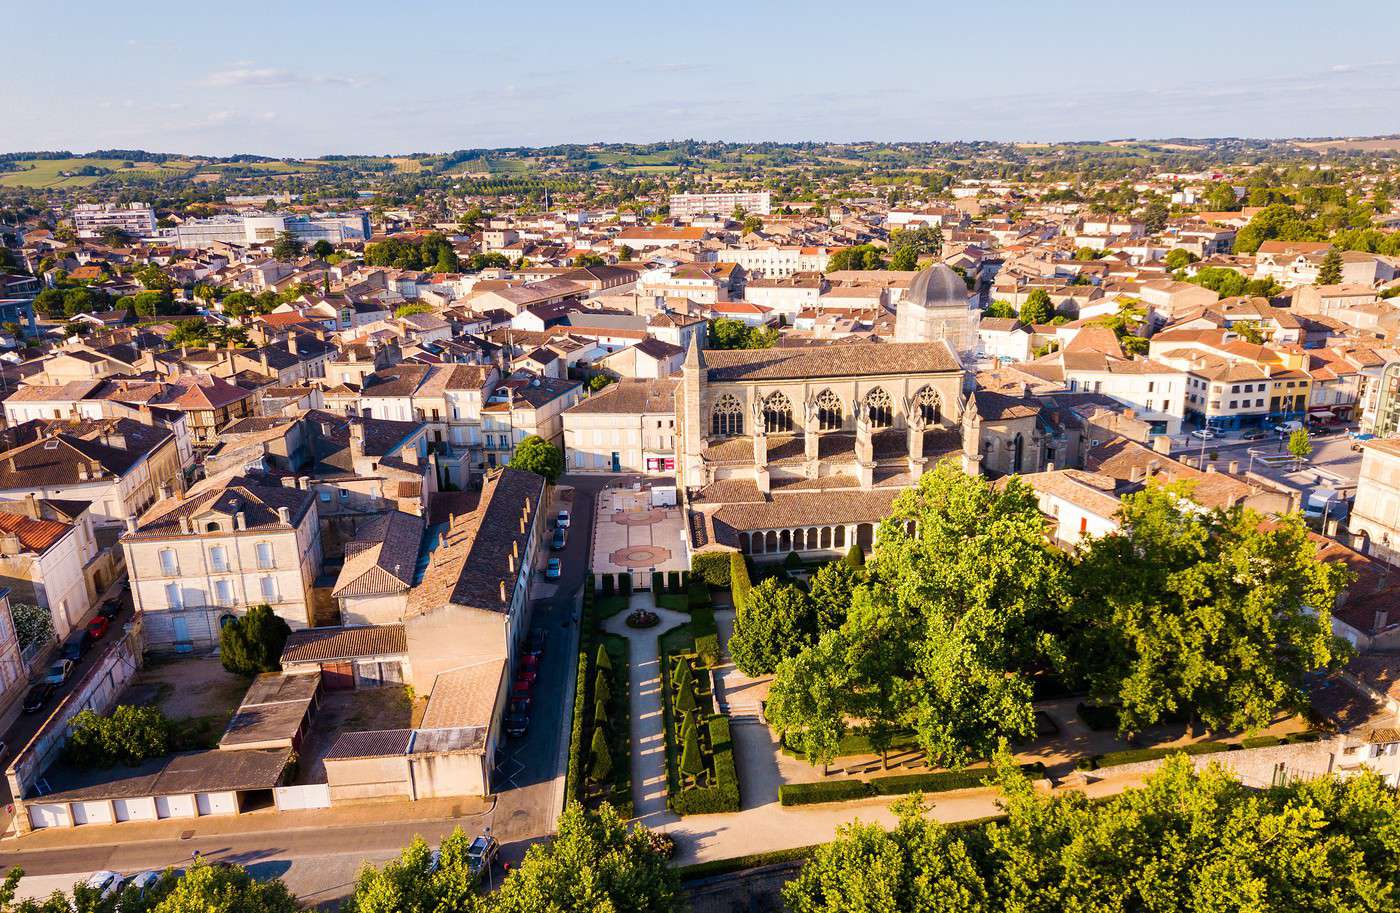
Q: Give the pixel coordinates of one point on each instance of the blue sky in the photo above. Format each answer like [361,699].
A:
[310,77]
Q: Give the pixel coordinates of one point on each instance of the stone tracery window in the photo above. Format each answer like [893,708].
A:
[880,408]
[777,413]
[929,405]
[727,417]
[829,411]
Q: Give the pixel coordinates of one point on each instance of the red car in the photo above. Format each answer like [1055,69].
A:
[521,688]
[97,628]
[528,676]
[530,662]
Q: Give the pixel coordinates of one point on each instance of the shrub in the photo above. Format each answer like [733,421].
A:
[1134,755]
[573,777]
[602,660]
[706,632]
[722,793]
[793,562]
[624,583]
[1311,735]
[1261,741]
[609,586]
[823,791]
[855,556]
[697,594]
[1099,719]
[933,782]
[711,568]
[601,766]
[739,584]
[129,736]
[33,623]
[254,643]
[658,582]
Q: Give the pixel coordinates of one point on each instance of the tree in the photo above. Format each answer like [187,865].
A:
[727,333]
[192,332]
[1300,445]
[206,888]
[599,381]
[154,304]
[777,621]
[287,247]
[959,608]
[129,735]
[33,623]
[855,556]
[49,302]
[237,304]
[1249,331]
[685,691]
[113,236]
[1180,258]
[154,278]
[752,223]
[535,454]
[1154,216]
[590,259]
[1000,308]
[413,307]
[625,253]
[595,862]
[601,688]
[600,713]
[411,884]
[603,660]
[1277,221]
[830,593]
[1208,613]
[692,760]
[1221,197]
[84,301]
[904,259]
[1330,272]
[601,766]
[864,256]
[739,585]
[322,249]
[1183,841]
[1037,307]
[253,643]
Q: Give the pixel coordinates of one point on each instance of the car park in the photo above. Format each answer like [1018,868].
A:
[105,883]
[552,569]
[37,696]
[97,628]
[58,672]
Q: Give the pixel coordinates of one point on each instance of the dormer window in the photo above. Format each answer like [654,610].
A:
[212,526]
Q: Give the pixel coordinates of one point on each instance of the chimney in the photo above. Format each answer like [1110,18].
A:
[131,523]
[1382,619]
[292,343]
[240,521]
[1234,467]
[304,483]
[284,515]
[1210,467]
[262,357]
[166,491]
[357,438]
[410,455]
[1049,467]
[1136,474]
[82,470]
[503,591]
[1162,444]
[31,506]
[185,526]
[213,347]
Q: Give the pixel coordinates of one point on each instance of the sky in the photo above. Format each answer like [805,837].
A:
[307,77]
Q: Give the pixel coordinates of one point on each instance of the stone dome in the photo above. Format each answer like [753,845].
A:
[937,287]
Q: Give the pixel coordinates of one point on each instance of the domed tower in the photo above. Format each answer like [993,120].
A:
[937,306]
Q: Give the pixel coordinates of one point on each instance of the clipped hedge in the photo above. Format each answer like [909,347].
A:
[739,583]
[1261,741]
[933,782]
[711,568]
[697,593]
[624,583]
[673,582]
[750,861]
[706,632]
[573,777]
[723,796]
[1135,755]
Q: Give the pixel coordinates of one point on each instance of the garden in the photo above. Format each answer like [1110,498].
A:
[600,745]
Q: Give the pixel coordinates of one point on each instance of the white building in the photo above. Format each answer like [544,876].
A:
[136,219]
[628,427]
[691,205]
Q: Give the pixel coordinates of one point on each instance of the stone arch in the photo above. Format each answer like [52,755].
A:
[770,542]
[727,417]
[785,541]
[879,408]
[830,412]
[1018,452]
[930,405]
[777,413]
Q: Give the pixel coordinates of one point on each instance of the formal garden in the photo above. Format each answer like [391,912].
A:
[600,744]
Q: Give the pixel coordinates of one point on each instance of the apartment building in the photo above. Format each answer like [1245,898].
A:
[1233,384]
[525,405]
[263,228]
[776,261]
[219,551]
[1375,514]
[137,220]
[687,206]
[629,426]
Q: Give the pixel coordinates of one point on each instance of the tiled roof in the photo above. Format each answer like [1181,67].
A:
[383,556]
[379,743]
[632,397]
[858,360]
[465,697]
[34,535]
[257,502]
[327,644]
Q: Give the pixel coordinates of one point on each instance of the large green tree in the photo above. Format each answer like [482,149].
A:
[1186,841]
[411,884]
[253,643]
[1037,307]
[535,454]
[777,621]
[1216,614]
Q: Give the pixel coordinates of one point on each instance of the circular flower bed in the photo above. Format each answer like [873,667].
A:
[641,618]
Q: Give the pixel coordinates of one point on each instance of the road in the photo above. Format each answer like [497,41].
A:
[320,862]
[1332,465]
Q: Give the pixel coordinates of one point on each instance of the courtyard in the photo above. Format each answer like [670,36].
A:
[631,535]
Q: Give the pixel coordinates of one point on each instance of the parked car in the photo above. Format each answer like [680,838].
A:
[1254,434]
[1205,434]
[559,539]
[552,569]
[534,644]
[110,610]
[76,645]
[37,696]
[1288,427]
[481,855]
[521,688]
[105,883]
[562,521]
[516,725]
[97,628]
[519,704]
[58,672]
[529,676]
[142,882]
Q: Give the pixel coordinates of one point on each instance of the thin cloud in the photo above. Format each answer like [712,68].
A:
[247,76]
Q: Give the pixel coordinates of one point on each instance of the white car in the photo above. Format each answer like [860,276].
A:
[562,521]
[1205,434]
[105,883]
[144,881]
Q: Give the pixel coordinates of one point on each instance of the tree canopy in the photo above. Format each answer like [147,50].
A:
[1037,307]
[726,333]
[535,454]
[253,643]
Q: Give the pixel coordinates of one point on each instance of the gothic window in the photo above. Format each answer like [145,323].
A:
[777,414]
[929,405]
[880,408]
[727,418]
[1018,449]
[829,413]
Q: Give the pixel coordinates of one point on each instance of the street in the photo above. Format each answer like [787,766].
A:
[319,853]
[1333,464]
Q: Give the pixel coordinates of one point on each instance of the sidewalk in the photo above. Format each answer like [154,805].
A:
[354,816]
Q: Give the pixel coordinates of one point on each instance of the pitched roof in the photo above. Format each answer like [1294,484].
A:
[258,502]
[857,359]
[329,644]
[382,558]
[34,535]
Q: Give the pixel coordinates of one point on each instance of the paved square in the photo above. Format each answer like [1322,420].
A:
[630,535]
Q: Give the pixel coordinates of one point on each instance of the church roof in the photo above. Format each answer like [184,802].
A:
[937,286]
[867,359]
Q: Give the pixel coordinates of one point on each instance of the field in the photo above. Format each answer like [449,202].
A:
[1352,145]
[47,173]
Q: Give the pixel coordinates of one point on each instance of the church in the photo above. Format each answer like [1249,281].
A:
[805,448]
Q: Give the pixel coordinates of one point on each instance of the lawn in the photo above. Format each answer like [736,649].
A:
[46,173]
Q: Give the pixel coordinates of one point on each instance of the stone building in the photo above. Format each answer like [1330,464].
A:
[937,306]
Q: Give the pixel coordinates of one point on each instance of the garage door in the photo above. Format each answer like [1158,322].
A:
[338,676]
[48,815]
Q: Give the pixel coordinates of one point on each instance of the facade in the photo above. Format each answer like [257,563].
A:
[135,219]
[776,262]
[1375,514]
[937,306]
[43,562]
[629,426]
[261,228]
[687,206]
[525,405]
[218,552]
[13,672]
